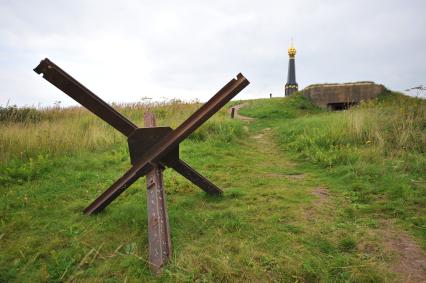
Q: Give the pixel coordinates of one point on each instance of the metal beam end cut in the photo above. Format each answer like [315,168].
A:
[241,77]
[41,68]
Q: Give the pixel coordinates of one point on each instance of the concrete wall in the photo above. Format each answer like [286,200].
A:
[351,93]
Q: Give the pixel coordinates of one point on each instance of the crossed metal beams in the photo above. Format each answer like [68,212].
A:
[146,147]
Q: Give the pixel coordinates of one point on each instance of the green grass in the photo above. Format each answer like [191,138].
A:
[268,226]
[374,153]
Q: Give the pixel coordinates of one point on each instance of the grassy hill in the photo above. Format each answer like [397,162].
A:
[375,152]
[309,195]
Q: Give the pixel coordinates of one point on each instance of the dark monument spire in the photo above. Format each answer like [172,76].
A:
[291,85]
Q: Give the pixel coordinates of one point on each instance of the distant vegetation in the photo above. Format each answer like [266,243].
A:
[23,114]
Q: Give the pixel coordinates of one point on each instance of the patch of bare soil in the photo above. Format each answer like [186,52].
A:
[296,177]
[274,175]
[410,261]
[311,211]
[237,114]
[322,193]
[259,136]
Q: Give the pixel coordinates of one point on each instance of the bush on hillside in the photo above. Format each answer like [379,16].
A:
[23,114]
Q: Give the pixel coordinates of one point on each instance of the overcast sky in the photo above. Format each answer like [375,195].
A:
[126,50]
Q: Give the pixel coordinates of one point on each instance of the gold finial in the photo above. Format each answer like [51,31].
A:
[292,50]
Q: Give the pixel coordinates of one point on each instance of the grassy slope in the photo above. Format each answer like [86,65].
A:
[268,225]
[374,154]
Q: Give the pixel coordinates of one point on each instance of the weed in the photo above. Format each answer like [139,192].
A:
[347,244]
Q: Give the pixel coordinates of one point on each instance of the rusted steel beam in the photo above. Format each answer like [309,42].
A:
[160,244]
[222,97]
[117,188]
[168,143]
[196,178]
[59,78]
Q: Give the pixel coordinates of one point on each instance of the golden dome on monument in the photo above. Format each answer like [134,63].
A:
[292,51]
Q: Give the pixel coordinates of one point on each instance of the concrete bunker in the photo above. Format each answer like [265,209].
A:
[342,96]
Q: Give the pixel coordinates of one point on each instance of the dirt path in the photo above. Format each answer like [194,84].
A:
[409,259]
[237,114]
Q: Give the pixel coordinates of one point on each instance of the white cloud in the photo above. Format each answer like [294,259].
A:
[130,49]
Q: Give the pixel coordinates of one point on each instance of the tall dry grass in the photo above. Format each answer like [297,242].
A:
[53,131]
[392,126]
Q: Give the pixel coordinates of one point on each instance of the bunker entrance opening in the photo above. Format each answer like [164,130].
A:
[338,106]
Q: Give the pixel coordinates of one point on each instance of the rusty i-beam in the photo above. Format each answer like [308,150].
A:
[151,148]
[159,241]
